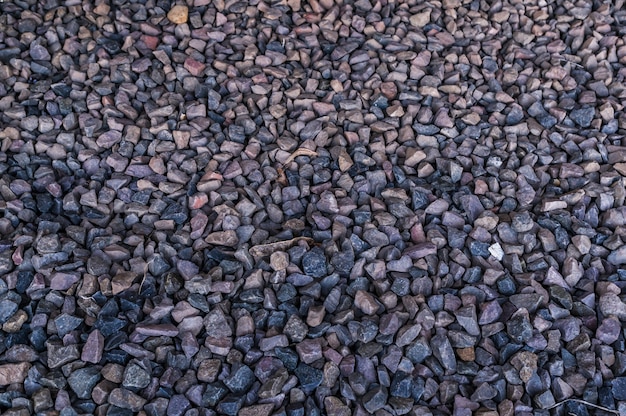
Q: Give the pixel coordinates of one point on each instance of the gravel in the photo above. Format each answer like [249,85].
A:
[290,208]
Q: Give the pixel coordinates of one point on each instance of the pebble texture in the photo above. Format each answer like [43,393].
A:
[322,207]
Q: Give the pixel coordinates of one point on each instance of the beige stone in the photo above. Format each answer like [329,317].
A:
[178,14]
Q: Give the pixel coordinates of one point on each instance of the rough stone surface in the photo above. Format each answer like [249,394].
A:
[312,207]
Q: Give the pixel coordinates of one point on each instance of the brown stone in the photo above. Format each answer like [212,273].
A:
[466,354]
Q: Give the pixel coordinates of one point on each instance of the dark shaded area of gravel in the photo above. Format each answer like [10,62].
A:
[312,208]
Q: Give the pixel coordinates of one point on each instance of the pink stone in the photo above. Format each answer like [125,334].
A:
[194,67]
[157,330]
[92,350]
[62,280]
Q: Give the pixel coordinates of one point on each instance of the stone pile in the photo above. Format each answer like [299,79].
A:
[221,207]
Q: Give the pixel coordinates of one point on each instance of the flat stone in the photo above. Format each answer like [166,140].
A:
[257,410]
[226,238]
[59,355]
[156,330]
[126,399]
[93,348]
[13,373]
[420,250]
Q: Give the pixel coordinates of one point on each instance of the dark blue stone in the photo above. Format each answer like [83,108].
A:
[213,394]
[38,338]
[417,390]
[110,308]
[506,286]
[24,279]
[380,101]
[401,385]
[252,296]
[618,386]
[277,319]
[240,379]
[295,409]
[358,244]
[66,323]
[583,116]
[314,263]
[117,357]
[419,200]
[310,378]
[287,356]
[562,237]
[546,120]
[473,275]
[361,216]
[176,213]
[401,286]
[286,292]
[606,397]
[230,405]
[575,408]
[318,331]
[311,408]
[508,350]
[343,262]
[479,249]
[508,205]
[7,309]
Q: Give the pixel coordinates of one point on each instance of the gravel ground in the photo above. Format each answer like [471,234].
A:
[312,208]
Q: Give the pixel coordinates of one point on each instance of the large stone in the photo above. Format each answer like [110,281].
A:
[13,373]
